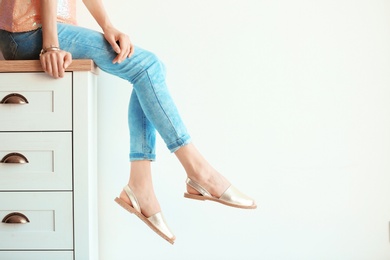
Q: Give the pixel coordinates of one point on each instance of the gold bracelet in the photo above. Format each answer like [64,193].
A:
[51,48]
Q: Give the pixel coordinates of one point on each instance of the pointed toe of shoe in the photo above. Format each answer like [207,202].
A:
[233,197]
[159,223]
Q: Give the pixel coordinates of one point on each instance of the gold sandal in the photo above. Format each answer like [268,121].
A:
[156,222]
[231,197]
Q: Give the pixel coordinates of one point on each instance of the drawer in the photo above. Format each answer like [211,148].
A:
[50,225]
[36,255]
[49,157]
[42,103]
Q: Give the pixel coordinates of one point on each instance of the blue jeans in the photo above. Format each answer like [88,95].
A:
[151,106]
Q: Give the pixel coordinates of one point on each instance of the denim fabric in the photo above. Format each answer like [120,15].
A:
[151,106]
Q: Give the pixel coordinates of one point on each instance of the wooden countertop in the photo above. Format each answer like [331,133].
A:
[35,66]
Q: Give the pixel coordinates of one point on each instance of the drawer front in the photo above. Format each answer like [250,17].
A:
[50,225]
[49,100]
[49,157]
[36,255]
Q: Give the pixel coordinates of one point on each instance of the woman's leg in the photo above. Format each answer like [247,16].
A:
[142,132]
[142,152]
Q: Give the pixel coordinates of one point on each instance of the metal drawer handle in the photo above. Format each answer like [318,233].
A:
[15,218]
[14,158]
[14,98]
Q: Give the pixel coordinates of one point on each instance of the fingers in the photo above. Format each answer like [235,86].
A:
[67,60]
[50,60]
[54,63]
[126,48]
[131,50]
[111,40]
[120,43]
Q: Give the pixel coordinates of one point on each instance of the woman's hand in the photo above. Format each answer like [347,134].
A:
[120,42]
[55,62]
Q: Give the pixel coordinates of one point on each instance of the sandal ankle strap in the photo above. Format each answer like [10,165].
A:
[198,187]
[132,198]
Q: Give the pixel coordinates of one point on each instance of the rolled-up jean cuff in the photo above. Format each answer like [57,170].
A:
[182,141]
[142,157]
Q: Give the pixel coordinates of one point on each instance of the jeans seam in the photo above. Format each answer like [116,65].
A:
[144,134]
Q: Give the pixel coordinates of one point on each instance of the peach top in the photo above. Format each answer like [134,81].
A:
[24,15]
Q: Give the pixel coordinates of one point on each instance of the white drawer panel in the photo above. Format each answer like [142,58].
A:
[49,158]
[36,255]
[51,221]
[49,104]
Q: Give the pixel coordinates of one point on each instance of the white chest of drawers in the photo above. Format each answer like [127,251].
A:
[48,182]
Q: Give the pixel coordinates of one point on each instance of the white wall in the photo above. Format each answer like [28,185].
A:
[289,99]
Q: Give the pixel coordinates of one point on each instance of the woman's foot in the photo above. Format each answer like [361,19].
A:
[231,197]
[156,221]
[205,183]
[215,183]
[146,198]
[138,198]
[199,170]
